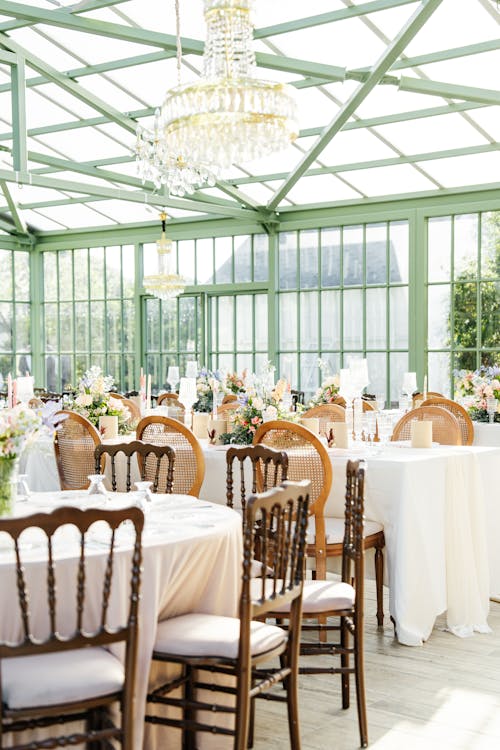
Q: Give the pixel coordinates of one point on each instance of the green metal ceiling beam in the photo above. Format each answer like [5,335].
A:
[388,162]
[442,55]
[76,124]
[390,55]
[96,5]
[18,97]
[140,196]
[449,90]
[334,15]
[7,58]
[303,67]
[14,212]
[73,88]
[7,226]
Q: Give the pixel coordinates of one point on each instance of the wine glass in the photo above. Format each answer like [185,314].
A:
[173,377]
[23,491]
[188,396]
[491,408]
[97,485]
[144,490]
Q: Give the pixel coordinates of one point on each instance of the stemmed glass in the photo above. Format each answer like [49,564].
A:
[97,485]
[173,377]
[188,396]
[491,408]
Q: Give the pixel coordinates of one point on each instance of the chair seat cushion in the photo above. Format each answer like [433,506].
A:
[317,596]
[61,677]
[202,635]
[334,530]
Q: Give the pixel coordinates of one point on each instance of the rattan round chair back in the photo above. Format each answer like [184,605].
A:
[189,468]
[445,427]
[430,394]
[135,412]
[229,406]
[325,413]
[464,421]
[74,444]
[169,397]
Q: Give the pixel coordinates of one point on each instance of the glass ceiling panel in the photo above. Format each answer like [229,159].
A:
[65,99]
[111,94]
[149,82]
[84,144]
[37,220]
[128,212]
[388,100]
[98,48]
[76,215]
[41,111]
[474,70]
[466,170]
[354,146]
[489,119]
[320,189]
[432,134]
[396,180]
[43,47]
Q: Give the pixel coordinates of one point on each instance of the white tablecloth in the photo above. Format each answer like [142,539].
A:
[191,563]
[440,552]
[487,434]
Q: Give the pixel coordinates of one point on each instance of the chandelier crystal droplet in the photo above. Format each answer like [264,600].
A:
[165,284]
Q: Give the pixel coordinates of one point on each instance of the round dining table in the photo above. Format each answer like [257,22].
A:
[192,552]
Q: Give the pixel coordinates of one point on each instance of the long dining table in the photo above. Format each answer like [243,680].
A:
[440,508]
[192,553]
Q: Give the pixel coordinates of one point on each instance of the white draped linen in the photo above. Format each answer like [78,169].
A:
[192,555]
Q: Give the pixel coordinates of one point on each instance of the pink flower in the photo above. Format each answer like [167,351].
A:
[251,429]
[255,420]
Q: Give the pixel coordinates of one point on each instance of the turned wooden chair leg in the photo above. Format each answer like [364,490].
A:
[360,689]
[379,583]
[344,661]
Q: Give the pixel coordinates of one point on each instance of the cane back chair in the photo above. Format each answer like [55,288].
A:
[189,460]
[155,462]
[309,459]
[464,421]
[269,468]
[239,646]
[75,440]
[445,426]
[326,413]
[49,677]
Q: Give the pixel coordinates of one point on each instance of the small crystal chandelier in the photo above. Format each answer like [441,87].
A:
[166,284]
[162,163]
[229,115]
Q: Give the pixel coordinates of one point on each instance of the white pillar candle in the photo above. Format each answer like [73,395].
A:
[421,434]
[312,423]
[108,427]
[200,424]
[341,434]
[216,427]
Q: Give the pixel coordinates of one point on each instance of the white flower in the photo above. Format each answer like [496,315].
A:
[257,403]
[270,413]
[84,399]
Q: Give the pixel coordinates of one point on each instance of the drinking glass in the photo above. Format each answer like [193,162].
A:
[187,396]
[173,377]
[384,428]
[491,408]
[371,426]
[144,488]
[23,491]
[97,485]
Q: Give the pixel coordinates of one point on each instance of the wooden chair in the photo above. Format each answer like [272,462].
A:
[189,460]
[344,600]
[74,443]
[464,421]
[298,397]
[229,398]
[51,679]
[168,397]
[35,403]
[135,412]
[242,647]
[445,427]
[326,413]
[228,407]
[156,463]
[269,469]
[308,459]
[420,396]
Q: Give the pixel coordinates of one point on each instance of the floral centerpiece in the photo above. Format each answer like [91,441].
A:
[234,383]
[259,404]
[94,399]
[17,427]
[472,388]
[327,391]
[206,383]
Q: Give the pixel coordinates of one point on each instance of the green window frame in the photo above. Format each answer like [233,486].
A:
[15,314]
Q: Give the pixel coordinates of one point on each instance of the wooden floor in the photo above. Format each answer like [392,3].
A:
[443,695]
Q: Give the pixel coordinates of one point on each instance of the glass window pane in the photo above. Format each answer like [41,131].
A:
[204,261]
[226,324]
[377,372]
[97,339]
[244,322]
[289,369]
[51,373]
[376,253]
[128,326]
[24,366]
[490,245]
[113,273]
[21,275]
[81,270]
[330,257]
[82,364]
[309,320]
[67,373]
[439,372]
[128,271]
[398,251]
[353,319]
[376,318]
[50,276]
[185,255]
[149,259]
[465,316]
[466,246]
[353,255]
[490,314]
[308,259]
[23,320]
[438,325]
[288,321]
[81,326]
[260,257]
[169,324]
[330,320]
[223,260]
[66,327]
[439,244]
[309,373]
[114,319]
[398,363]
[398,317]
[152,325]
[97,273]
[242,259]
[244,362]
[6,343]
[261,333]
[66,275]
[288,260]
[50,325]
[6,275]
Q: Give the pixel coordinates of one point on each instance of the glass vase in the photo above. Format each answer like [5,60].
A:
[8,484]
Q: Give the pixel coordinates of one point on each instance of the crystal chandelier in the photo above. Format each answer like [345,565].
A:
[160,161]
[229,115]
[166,284]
